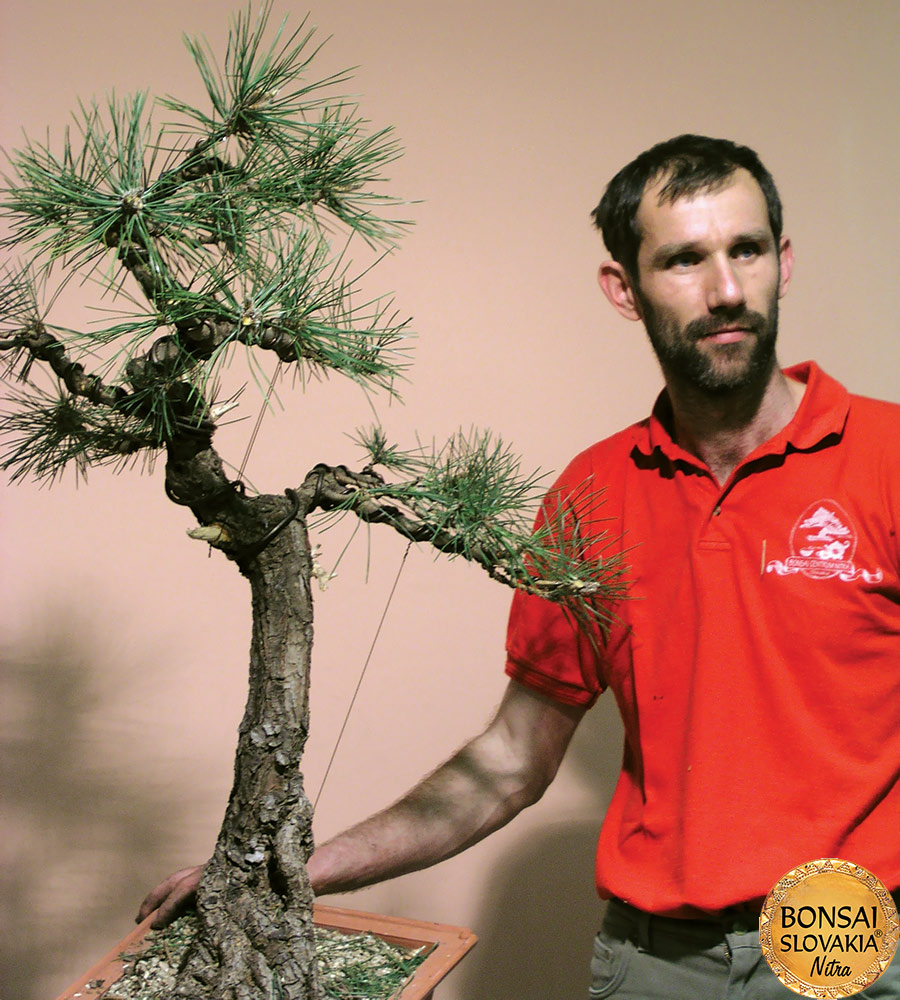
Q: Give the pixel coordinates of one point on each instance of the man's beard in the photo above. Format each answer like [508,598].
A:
[719,368]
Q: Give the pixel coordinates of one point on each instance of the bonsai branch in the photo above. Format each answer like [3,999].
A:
[189,407]
[367,496]
[41,345]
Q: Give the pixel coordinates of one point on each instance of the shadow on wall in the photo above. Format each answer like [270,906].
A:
[541,909]
[81,839]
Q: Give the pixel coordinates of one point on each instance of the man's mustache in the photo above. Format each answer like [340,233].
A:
[707,326]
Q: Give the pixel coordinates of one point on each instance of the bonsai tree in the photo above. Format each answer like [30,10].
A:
[221,234]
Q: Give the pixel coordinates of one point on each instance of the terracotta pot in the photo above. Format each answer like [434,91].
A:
[447,947]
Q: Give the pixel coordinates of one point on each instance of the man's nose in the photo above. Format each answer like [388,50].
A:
[724,287]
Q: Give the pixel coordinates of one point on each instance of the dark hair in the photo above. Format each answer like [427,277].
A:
[690,163]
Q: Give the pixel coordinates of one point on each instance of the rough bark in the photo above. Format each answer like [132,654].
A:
[255,903]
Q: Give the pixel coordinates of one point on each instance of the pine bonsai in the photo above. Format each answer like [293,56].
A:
[224,234]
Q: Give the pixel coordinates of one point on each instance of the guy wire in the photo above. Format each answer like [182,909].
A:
[361,676]
[259,419]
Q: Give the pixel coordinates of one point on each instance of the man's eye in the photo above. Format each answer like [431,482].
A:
[746,250]
[682,260]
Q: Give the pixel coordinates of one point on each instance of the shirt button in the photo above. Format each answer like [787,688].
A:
[717,510]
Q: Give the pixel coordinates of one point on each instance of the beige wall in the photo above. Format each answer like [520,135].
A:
[125,645]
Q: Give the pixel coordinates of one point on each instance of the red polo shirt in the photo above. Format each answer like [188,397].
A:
[756,663]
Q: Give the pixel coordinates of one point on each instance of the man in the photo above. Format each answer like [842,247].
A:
[755,663]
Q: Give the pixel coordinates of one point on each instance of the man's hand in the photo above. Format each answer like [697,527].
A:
[174,896]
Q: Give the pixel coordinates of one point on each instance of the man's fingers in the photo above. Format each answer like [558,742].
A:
[177,902]
[172,896]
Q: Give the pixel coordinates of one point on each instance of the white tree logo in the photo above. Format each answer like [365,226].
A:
[827,536]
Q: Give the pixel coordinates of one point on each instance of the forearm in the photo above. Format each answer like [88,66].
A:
[481,788]
[458,805]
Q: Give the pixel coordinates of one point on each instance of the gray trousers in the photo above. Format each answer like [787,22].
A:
[638,956]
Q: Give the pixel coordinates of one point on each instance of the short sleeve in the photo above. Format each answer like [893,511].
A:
[546,648]
[546,651]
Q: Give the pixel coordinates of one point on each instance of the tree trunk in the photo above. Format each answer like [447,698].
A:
[255,902]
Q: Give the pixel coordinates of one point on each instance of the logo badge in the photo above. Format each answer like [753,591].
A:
[828,929]
[823,544]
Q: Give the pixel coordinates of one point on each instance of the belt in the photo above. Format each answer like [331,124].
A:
[623,919]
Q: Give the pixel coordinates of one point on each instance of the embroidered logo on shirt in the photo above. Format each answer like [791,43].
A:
[823,544]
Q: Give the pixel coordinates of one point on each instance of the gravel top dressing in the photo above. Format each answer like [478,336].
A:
[351,966]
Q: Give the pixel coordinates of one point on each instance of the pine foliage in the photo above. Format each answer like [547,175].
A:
[225,219]
[214,233]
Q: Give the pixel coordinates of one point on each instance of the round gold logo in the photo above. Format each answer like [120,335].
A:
[828,929]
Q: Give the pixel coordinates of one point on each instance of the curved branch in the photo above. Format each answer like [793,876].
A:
[337,488]
[41,345]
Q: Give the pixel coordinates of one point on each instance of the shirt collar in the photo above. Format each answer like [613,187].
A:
[822,412]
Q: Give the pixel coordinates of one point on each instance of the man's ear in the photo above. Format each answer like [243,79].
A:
[785,264]
[617,287]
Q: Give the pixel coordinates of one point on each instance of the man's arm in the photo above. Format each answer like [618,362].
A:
[478,790]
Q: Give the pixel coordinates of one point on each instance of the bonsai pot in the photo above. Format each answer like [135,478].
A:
[445,946]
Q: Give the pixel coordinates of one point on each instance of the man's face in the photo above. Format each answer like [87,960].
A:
[709,280]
